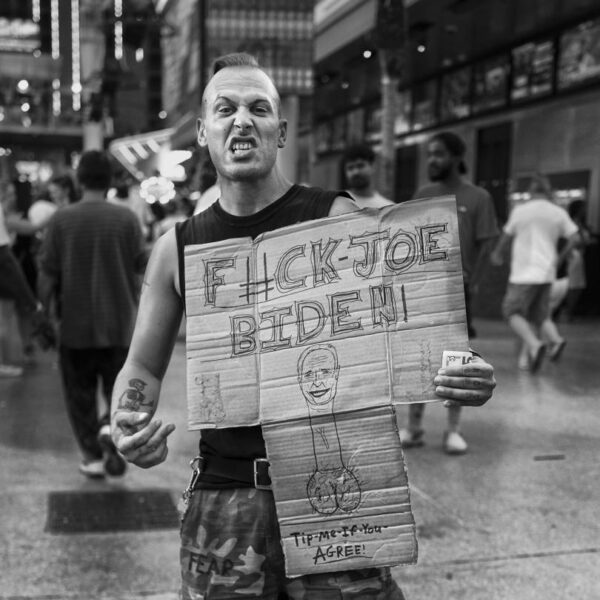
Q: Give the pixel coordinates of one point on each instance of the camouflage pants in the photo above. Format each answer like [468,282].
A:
[231,548]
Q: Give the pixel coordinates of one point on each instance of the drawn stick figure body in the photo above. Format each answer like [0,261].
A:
[332,486]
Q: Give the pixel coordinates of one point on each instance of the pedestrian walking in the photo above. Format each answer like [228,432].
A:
[90,258]
[533,231]
[478,231]
[576,258]
[14,286]
[229,519]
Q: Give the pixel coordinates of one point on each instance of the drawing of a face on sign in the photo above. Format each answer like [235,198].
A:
[332,486]
[318,372]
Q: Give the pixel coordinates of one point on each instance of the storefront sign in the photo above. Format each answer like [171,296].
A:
[19,35]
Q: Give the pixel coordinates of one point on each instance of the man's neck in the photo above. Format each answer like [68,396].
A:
[363,192]
[93,196]
[451,182]
[244,198]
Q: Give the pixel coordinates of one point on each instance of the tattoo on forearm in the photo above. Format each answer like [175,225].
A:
[133,397]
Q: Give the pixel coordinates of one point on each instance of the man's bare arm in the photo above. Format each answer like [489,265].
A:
[139,437]
[572,242]
[498,253]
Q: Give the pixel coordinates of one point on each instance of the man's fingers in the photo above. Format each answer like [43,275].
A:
[469,383]
[476,368]
[130,420]
[136,439]
[464,396]
[159,455]
[157,439]
[151,435]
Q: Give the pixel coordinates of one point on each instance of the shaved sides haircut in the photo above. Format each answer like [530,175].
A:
[233,60]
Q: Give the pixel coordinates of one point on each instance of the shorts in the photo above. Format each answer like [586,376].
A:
[231,548]
[531,301]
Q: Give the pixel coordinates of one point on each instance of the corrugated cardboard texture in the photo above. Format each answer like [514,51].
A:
[390,307]
[316,331]
[341,491]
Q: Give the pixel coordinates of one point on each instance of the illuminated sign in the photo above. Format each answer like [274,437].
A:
[19,35]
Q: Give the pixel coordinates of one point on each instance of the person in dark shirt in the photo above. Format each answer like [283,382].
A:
[230,538]
[90,259]
[478,232]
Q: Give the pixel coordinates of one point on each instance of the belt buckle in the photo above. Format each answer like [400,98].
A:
[261,472]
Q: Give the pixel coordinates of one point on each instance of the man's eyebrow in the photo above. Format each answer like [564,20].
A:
[225,98]
[254,100]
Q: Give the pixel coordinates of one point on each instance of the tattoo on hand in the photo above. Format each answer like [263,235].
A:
[133,397]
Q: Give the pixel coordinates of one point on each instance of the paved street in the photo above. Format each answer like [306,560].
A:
[517,518]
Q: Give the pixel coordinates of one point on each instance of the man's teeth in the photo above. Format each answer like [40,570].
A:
[241,146]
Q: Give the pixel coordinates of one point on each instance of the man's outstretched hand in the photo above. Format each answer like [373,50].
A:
[470,384]
[139,438]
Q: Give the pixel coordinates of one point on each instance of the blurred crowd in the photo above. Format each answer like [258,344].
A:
[27,208]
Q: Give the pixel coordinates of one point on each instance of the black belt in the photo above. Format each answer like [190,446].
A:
[252,472]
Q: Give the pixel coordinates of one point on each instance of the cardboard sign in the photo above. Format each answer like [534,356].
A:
[316,331]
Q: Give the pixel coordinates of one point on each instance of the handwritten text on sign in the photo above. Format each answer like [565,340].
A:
[396,251]
[391,278]
[315,331]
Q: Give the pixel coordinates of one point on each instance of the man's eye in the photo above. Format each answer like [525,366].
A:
[308,374]
[224,109]
[261,110]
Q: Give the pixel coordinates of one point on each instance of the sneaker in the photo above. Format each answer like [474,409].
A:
[94,469]
[10,371]
[454,443]
[556,350]
[411,439]
[536,358]
[114,464]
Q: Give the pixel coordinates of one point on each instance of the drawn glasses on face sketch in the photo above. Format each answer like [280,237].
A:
[332,486]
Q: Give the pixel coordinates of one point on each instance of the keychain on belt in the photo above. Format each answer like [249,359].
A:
[196,466]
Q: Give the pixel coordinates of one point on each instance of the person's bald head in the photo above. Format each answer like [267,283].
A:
[236,60]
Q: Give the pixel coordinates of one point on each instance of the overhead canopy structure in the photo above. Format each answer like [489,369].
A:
[144,154]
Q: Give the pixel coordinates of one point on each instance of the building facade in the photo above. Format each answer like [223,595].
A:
[277,32]
[519,81]
[74,74]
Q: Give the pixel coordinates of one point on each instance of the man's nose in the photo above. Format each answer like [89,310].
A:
[243,119]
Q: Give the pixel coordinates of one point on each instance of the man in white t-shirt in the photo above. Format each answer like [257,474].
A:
[358,162]
[533,231]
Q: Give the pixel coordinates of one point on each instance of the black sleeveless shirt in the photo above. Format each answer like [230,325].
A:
[298,204]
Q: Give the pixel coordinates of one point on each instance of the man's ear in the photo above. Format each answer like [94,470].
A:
[282,133]
[201,132]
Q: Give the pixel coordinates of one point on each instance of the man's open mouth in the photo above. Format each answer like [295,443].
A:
[319,393]
[244,146]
